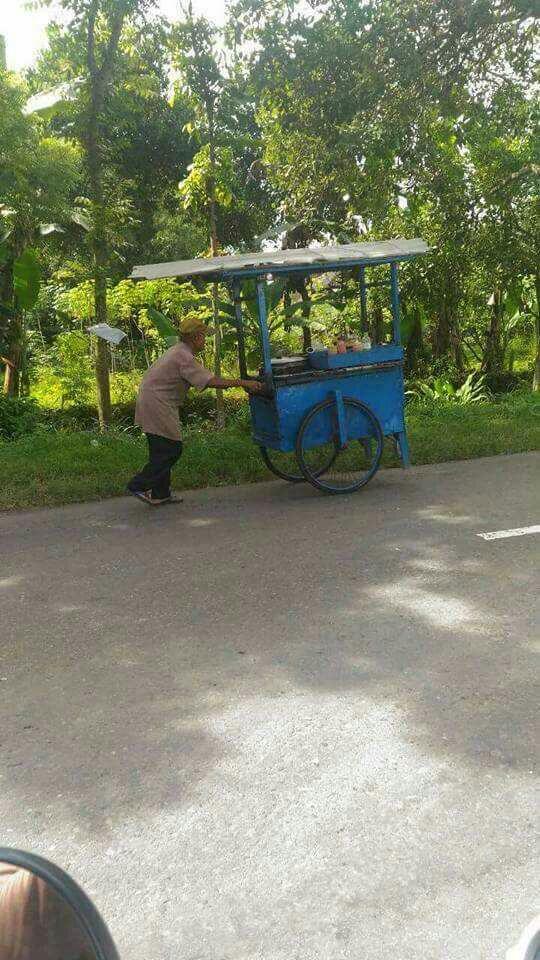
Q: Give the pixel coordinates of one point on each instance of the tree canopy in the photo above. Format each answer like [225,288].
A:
[325,120]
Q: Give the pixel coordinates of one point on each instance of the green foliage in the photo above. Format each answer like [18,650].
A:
[166,330]
[473,390]
[73,366]
[19,416]
[327,121]
[204,175]
[79,464]
[26,279]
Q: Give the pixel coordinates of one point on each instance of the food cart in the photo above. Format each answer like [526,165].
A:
[330,410]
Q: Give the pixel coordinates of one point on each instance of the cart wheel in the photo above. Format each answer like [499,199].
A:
[284,465]
[281,463]
[323,462]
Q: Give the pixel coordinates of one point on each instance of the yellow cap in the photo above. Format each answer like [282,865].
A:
[191,324]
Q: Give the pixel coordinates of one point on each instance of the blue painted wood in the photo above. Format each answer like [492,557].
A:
[265,337]
[394,287]
[342,426]
[375,377]
[276,420]
[403,447]
[382,353]
[363,300]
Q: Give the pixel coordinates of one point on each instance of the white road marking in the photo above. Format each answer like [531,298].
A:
[517,532]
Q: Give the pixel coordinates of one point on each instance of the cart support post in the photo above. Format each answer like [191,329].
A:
[395,301]
[265,338]
[239,329]
[363,299]
[403,447]
[342,426]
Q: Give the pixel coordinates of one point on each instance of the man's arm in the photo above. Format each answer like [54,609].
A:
[224,383]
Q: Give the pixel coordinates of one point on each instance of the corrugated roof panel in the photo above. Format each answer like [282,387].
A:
[266,261]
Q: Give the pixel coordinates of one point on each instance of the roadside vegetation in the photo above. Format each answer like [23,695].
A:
[298,122]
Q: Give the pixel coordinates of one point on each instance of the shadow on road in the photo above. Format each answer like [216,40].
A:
[126,633]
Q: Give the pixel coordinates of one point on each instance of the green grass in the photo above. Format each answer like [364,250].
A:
[49,467]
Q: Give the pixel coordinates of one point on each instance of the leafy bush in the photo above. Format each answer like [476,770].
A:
[443,391]
[74,366]
[124,386]
[18,417]
[505,381]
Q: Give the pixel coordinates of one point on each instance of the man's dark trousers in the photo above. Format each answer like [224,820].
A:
[156,474]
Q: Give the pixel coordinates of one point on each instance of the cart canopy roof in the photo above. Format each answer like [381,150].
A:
[304,259]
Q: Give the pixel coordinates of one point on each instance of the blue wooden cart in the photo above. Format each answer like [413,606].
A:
[325,414]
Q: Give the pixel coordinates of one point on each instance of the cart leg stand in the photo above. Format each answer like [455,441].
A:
[401,437]
[403,448]
[265,338]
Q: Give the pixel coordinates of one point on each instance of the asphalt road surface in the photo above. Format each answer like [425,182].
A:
[273,725]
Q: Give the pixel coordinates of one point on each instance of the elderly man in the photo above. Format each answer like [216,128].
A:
[161,393]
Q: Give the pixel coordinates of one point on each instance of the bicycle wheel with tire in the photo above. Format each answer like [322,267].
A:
[284,465]
[327,464]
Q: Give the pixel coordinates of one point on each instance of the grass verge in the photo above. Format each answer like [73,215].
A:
[47,468]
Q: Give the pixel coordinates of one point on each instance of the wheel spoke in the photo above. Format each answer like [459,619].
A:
[284,465]
[331,467]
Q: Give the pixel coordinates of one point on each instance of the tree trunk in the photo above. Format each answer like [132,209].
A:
[492,361]
[214,246]
[102,355]
[11,375]
[101,368]
[100,75]
[459,356]
[13,358]
[414,343]
[442,337]
[536,375]
[12,334]
[306,313]
[377,324]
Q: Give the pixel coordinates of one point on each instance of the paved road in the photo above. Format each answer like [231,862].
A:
[270,725]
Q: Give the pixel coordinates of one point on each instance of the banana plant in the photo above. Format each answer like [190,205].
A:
[164,326]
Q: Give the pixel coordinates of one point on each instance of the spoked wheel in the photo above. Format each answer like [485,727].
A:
[284,465]
[324,461]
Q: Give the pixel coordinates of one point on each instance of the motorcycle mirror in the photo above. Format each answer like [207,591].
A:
[528,946]
[45,915]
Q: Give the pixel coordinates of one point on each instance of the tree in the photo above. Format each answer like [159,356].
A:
[147,150]
[208,182]
[38,180]
[97,25]
[369,117]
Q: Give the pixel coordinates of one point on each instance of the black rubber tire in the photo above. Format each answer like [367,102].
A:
[72,894]
[317,478]
[290,477]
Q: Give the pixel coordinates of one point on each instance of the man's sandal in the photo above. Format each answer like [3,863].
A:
[146,497]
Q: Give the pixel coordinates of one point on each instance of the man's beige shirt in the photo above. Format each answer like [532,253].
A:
[163,390]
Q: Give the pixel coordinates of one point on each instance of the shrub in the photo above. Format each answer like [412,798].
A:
[443,391]
[74,366]
[18,417]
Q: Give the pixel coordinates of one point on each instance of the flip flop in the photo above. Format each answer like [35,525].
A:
[143,495]
[147,497]
[173,499]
